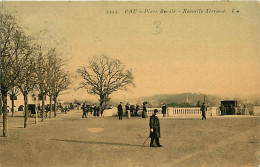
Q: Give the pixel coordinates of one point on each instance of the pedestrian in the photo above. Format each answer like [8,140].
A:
[203,110]
[164,109]
[91,109]
[66,109]
[144,113]
[155,133]
[95,110]
[87,108]
[136,109]
[102,110]
[98,111]
[120,111]
[222,109]
[127,110]
[84,109]
[132,108]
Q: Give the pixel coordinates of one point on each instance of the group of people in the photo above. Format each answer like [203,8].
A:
[154,121]
[92,109]
[130,110]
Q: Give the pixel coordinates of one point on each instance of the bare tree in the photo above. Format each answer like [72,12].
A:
[51,72]
[26,82]
[61,84]
[41,68]
[9,63]
[58,78]
[104,76]
[25,66]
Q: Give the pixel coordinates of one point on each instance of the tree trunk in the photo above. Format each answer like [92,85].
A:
[43,108]
[36,110]
[50,107]
[101,100]
[5,118]
[55,106]
[12,108]
[1,105]
[25,96]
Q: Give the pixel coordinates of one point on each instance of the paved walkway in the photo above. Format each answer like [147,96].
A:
[70,140]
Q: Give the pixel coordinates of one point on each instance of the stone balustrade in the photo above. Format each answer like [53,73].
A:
[182,111]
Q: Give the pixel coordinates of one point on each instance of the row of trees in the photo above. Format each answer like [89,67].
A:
[27,66]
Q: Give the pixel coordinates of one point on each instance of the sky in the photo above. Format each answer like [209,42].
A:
[212,53]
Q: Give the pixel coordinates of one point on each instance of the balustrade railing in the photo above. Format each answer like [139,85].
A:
[174,111]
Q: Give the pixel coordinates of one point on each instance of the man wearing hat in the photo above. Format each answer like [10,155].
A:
[84,108]
[203,110]
[120,111]
[155,130]
[164,109]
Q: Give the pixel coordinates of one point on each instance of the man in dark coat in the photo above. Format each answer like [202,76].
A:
[155,130]
[132,108]
[136,109]
[91,109]
[87,108]
[95,110]
[84,108]
[164,109]
[203,110]
[120,111]
[98,111]
[102,110]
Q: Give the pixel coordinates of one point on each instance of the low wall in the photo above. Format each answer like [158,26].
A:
[172,111]
[256,110]
[192,111]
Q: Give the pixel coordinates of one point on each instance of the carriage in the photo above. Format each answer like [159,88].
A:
[230,107]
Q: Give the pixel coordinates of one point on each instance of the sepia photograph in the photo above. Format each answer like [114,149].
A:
[130,83]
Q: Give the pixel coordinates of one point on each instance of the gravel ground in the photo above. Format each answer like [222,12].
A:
[70,140]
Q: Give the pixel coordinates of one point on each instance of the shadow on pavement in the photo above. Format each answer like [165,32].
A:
[94,142]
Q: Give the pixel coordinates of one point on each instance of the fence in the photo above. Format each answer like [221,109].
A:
[192,111]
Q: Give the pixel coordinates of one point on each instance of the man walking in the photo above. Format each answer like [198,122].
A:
[164,109]
[132,108]
[91,109]
[84,110]
[144,112]
[95,110]
[136,109]
[155,130]
[203,110]
[98,111]
[120,110]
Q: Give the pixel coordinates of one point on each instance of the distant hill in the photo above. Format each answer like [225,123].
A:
[175,100]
